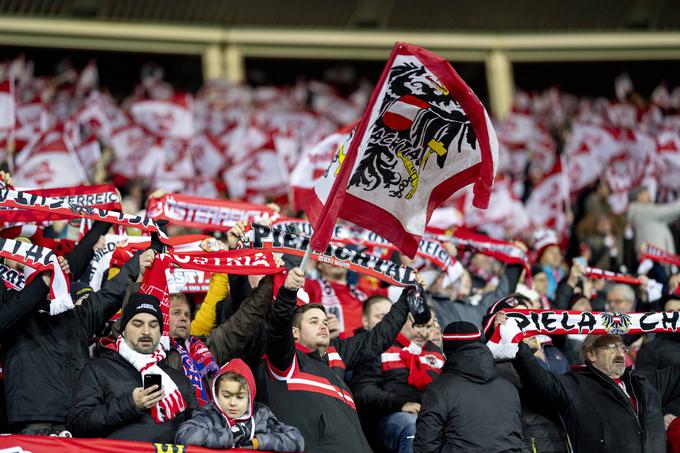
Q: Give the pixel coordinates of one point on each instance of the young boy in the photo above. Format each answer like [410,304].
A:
[235,420]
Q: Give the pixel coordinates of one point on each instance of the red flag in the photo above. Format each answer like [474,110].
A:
[423,136]
[171,119]
[8,105]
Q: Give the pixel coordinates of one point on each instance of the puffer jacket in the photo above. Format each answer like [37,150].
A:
[469,407]
[210,427]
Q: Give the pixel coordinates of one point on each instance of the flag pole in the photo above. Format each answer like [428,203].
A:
[305,258]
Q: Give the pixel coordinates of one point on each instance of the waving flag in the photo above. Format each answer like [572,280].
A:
[423,136]
[8,105]
[54,164]
[171,119]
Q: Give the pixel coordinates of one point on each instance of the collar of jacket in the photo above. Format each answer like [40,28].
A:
[313,353]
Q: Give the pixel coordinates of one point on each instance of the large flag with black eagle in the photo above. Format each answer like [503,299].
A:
[424,135]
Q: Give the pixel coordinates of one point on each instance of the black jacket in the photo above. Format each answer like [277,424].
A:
[43,355]
[102,405]
[663,351]
[307,390]
[597,414]
[469,407]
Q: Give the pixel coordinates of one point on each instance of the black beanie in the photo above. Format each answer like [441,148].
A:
[458,334]
[141,303]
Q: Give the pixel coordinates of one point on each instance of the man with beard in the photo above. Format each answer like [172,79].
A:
[606,406]
[111,399]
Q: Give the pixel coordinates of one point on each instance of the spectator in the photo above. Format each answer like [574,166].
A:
[549,258]
[235,420]
[48,352]
[374,310]
[389,388]
[662,352]
[469,408]
[342,300]
[606,406]
[455,303]
[650,221]
[573,343]
[620,298]
[305,369]
[110,400]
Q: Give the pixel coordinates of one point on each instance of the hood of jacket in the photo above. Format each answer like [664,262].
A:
[237,366]
[474,362]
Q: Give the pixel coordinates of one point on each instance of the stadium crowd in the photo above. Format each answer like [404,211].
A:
[330,360]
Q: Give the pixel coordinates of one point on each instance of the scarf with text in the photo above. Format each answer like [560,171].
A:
[12,278]
[593,272]
[659,255]
[238,262]
[41,259]
[197,362]
[205,213]
[522,323]
[55,206]
[173,402]
[101,197]
[503,251]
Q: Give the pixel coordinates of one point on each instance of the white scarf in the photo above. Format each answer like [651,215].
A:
[173,402]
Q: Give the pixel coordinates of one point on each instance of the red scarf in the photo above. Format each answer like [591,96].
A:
[660,255]
[418,376]
[239,262]
[594,272]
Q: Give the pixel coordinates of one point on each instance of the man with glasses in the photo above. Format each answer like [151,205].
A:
[606,406]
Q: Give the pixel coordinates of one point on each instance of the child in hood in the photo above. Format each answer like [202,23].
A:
[235,420]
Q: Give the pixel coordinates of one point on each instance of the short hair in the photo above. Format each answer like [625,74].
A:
[628,292]
[300,312]
[374,299]
[232,376]
[183,298]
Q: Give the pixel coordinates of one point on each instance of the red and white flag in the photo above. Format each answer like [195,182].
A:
[423,136]
[547,202]
[8,105]
[312,164]
[54,164]
[207,155]
[166,119]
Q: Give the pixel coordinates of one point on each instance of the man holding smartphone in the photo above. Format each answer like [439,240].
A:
[126,378]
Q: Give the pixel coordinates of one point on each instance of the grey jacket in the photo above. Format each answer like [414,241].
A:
[650,222]
[208,428]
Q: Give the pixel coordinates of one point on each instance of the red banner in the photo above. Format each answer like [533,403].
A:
[660,255]
[45,444]
[204,213]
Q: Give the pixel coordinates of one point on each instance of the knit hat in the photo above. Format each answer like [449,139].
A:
[141,303]
[79,289]
[458,334]
[542,240]
[508,302]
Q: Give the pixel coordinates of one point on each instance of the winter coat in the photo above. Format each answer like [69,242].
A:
[542,430]
[307,390]
[650,222]
[43,355]
[598,416]
[663,351]
[211,427]
[469,407]
[103,405]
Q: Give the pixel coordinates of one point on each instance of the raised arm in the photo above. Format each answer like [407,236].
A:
[367,346]
[543,382]
[206,317]
[17,305]
[80,256]
[280,345]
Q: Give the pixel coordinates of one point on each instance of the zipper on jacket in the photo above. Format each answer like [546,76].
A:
[625,397]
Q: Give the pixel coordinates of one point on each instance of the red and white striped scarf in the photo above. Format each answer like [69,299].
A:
[173,402]
[41,259]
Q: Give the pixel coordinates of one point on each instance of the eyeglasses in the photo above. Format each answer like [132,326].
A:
[612,347]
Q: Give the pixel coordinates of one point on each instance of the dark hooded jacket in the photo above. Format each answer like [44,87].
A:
[258,428]
[469,407]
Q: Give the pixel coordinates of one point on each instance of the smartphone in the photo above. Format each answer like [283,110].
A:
[581,261]
[152,379]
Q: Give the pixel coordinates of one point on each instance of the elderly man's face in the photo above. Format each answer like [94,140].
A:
[618,302]
[609,358]
[142,333]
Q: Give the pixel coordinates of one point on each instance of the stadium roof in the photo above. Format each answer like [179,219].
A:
[381,15]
